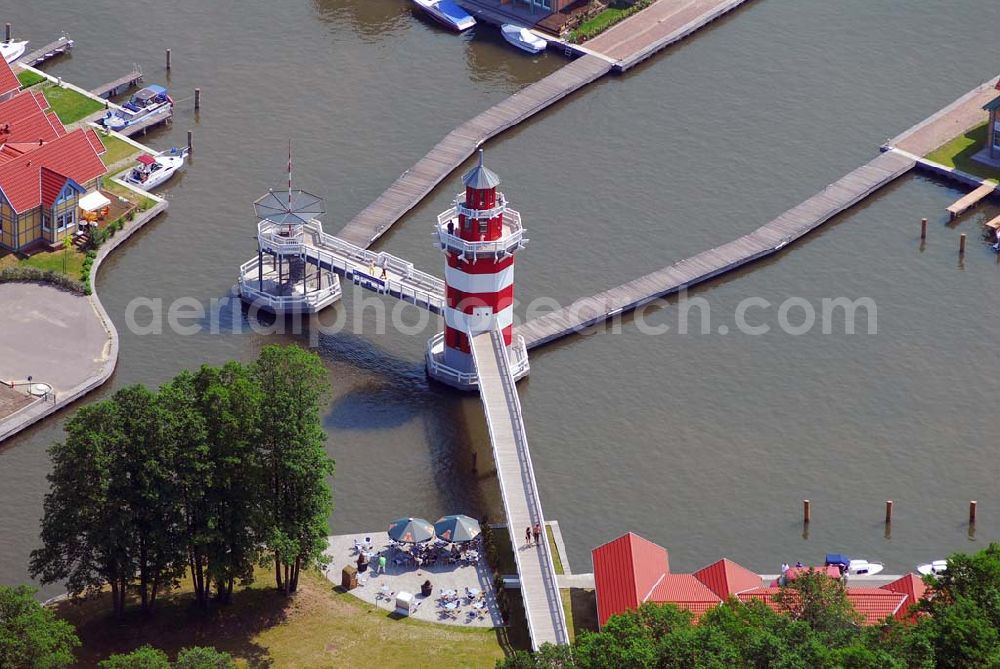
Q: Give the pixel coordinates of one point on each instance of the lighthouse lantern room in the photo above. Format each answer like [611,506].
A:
[479,236]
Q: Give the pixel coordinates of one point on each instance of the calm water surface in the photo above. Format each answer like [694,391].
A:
[705,443]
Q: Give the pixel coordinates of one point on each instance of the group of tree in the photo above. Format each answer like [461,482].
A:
[33,637]
[955,626]
[218,471]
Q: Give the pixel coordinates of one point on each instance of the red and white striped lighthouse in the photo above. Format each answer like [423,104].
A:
[479,237]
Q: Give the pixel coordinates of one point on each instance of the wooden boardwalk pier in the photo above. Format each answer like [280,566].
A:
[47,52]
[764,241]
[119,85]
[970,200]
[461,143]
[535,567]
[657,27]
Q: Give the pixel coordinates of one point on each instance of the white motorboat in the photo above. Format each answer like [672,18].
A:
[523,38]
[935,568]
[151,100]
[447,13]
[151,171]
[13,49]
[864,568]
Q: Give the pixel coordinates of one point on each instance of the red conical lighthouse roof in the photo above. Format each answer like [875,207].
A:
[480,177]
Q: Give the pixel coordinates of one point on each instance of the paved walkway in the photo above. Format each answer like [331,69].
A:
[52,335]
[380,589]
[954,120]
[657,26]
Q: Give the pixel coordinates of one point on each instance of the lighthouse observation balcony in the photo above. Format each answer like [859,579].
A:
[511,241]
[281,239]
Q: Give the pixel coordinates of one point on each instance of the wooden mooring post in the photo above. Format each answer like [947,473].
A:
[197,99]
[888,512]
[190,141]
[6,32]
[961,245]
[168,59]
[806,511]
[972,512]
[923,228]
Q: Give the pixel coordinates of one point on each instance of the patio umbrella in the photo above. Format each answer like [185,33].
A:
[457,528]
[411,530]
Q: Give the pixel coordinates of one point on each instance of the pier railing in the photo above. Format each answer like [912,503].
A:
[531,488]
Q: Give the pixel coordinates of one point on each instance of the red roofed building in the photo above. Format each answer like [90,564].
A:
[626,571]
[630,571]
[913,587]
[23,118]
[726,578]
[9,84]
[40,189]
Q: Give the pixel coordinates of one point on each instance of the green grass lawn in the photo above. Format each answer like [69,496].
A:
[556,558]
[53,261]
[129,194]
[958,154]
[29,78]
[317,628]
[69,105]
[117,149]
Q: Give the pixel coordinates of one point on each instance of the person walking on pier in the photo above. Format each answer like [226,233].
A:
[537,532]
[527,535]
[383,270]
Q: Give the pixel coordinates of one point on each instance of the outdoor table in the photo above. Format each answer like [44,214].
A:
[451,606]
[479,605]
[448,593]
[473,592]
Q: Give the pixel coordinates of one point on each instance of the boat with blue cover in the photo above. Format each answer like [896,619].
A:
[447,13]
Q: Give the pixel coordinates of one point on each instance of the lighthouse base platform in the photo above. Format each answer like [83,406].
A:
[462,374]
[293,290]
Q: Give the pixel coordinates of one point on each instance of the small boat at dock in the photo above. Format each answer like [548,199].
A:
[935,568]
[523,38]
[447,13]
[13,49]
[853,567]
[151,171]
[151,100]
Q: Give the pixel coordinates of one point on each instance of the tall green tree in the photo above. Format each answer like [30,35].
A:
[193,475]
[111,515]
[145,657]
[293,459]
[201,657]
[230,400]
[31,637]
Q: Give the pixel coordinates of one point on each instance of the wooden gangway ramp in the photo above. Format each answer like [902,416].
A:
[414,184]
[763,241]
[39,56]
[119,85]
[967,202]
[539,589]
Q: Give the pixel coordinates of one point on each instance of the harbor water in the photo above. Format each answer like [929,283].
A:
[704,442]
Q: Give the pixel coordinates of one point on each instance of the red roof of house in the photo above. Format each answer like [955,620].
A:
[71,155]
[832,571]
[725,578]
[687,592]
[24,119]
[872,603]
[52,183]
[910,585]
[8,80]
[626,571]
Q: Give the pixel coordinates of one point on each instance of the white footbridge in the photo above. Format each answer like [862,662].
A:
[539,590]
[387,274]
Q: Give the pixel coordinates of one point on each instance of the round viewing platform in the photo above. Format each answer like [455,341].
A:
[461,374]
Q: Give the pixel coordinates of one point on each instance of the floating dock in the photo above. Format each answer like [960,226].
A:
[47,52]
[414,184]
[969,201]
[772,237]
[146,123]
[120,85]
